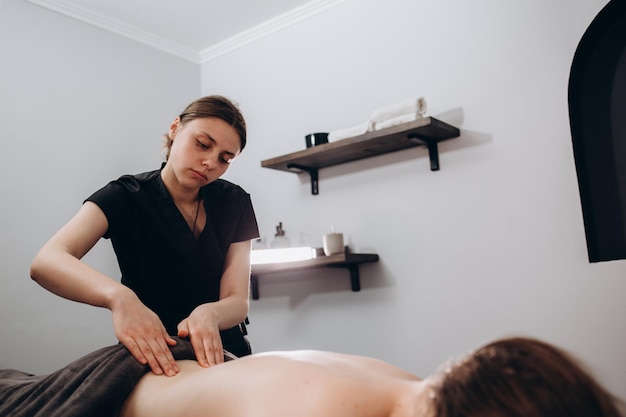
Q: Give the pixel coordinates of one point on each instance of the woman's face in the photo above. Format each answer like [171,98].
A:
[202,150]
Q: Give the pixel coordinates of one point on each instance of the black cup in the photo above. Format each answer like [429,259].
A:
[314,139]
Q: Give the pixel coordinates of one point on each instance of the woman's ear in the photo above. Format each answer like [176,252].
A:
[174,128]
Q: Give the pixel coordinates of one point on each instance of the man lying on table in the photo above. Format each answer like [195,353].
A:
[509,377]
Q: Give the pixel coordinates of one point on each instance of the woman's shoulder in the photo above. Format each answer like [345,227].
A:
[126,186]
[134,182]
[225,191]
[224,186]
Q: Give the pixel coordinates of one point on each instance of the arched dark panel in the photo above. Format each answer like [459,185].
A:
[597,110]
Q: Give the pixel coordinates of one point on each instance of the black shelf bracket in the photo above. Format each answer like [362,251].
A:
[433,149]
[433,153]
[313,172]
[355,278]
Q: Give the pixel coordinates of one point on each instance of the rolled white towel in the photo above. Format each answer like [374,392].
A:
[409,106]
[403,118]
[349,132]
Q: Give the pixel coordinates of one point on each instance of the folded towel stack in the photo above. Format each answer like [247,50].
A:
[398,113]
[401,112]
[349,132]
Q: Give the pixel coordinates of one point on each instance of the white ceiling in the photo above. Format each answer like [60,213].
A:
[198,30]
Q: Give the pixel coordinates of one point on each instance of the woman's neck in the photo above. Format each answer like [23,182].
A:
[182,196]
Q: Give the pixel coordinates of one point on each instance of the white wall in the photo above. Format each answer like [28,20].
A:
[78,107]
[491,245]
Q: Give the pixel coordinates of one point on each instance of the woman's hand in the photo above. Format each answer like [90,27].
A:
[203,331]
[142,332]
[205,321]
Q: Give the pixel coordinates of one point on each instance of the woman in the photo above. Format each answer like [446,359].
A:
[182,240]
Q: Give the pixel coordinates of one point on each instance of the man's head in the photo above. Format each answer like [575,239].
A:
[519,377]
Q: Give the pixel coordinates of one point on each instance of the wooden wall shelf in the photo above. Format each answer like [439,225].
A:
[350,261]
[426,131]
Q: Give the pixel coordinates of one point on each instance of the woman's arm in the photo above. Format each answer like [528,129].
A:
[204,323]
[58,268]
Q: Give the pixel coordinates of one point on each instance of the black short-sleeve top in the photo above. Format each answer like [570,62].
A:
[159,258]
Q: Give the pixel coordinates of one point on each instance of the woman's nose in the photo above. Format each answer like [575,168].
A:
[210,161]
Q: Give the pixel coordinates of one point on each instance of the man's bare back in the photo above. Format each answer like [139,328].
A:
[300,383]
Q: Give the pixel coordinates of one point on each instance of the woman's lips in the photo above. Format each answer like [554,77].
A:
[200,175]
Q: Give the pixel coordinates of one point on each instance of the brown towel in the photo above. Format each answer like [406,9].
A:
[95,385]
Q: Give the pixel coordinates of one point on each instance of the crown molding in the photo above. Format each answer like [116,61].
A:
[199,57]
[120,28]
[273,25]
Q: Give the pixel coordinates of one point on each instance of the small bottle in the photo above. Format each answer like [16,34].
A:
[280,240]
[258,243]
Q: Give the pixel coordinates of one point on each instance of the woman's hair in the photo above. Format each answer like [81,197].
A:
[212,106]
[519,377]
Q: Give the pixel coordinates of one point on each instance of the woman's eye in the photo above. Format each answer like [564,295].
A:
[202,145]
